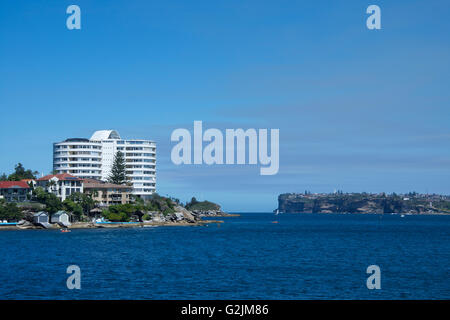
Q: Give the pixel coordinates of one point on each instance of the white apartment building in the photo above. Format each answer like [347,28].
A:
[93,158]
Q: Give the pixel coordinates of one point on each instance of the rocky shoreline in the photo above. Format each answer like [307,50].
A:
[212,213]
[91,225]
[181,217]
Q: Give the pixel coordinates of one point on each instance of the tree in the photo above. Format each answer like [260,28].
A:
[51,185]
[193,201]
[20,173]
[115,216]
[51,201]
[73,207]
[161,204]
[176,200]
[202,206]
[10,211]
[85,201]
[118,173]
[120,212]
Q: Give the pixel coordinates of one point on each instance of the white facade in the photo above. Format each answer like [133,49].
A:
[61,185]
[94,157]
[79,157]
[40,217]
[60,217]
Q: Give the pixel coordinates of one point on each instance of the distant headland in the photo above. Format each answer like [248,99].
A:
[340,202]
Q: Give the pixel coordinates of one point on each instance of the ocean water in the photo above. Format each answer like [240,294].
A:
[303,256]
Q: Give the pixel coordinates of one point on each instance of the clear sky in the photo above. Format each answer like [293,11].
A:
[358,110]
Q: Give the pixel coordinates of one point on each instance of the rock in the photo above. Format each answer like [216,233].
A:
[187,215]
[209,213]
[179,216]
[362,203]
[24,224]
[158,218]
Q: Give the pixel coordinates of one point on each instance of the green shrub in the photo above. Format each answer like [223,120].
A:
[167,211]
[51,201]
[115,216]
[202,206]
[73,207]
[10,211]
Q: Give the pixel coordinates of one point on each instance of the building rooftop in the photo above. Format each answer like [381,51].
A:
[40,213]
[59,213]
[100,185]
[104,135]
[14,184]
[62,176]
[90,180]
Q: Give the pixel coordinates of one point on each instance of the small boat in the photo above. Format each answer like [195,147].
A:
[274,221]
[65,230]
[402,216]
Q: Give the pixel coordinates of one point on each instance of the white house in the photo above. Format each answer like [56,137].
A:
[61,217]
[62,185]
[40,217]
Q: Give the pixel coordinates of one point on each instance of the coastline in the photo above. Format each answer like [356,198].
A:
[374,213]
[186,223]
[182,217]
[364,203]
[197,221]
[91,225]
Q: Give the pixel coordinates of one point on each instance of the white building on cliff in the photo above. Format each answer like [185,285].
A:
[93,158]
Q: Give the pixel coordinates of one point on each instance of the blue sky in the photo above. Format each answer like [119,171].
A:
[358,110]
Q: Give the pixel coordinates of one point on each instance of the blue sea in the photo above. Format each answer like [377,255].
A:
[303,256]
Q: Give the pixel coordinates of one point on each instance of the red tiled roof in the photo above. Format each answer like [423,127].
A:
[11,184]
[93,185]
[61,176]
[89,180]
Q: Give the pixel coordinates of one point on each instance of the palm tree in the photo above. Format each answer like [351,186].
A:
[51,185]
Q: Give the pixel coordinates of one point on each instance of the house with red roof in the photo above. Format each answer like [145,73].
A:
[62,185]
[14,191]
